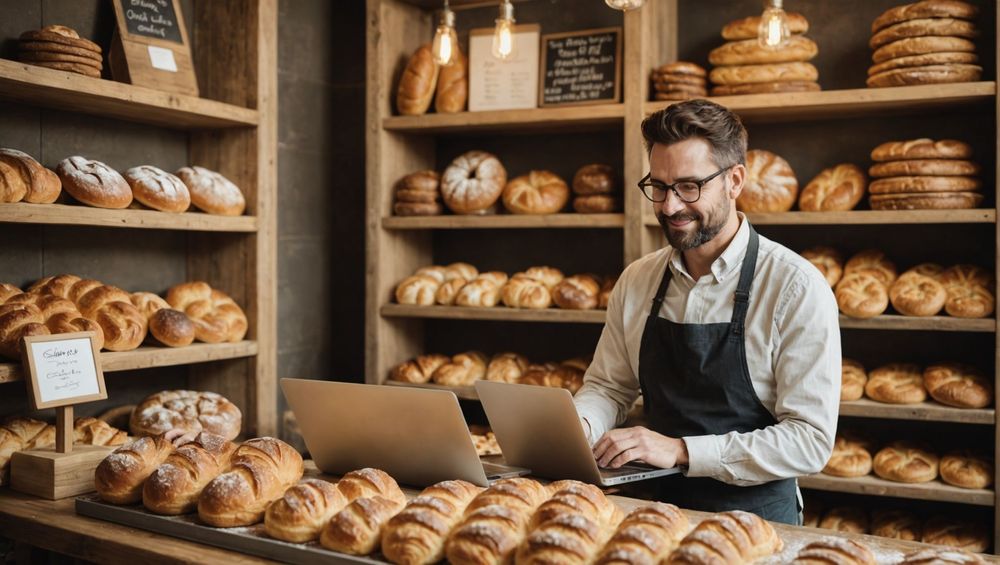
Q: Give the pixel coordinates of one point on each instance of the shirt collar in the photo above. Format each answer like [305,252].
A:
[730,260]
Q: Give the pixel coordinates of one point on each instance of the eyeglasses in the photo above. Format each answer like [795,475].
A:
[688,191]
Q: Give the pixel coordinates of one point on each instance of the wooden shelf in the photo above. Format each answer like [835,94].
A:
[929,411]
[38,86]
[865,217]
[928,323]
[63,214]
[857,102]
[512,121]
[463,392]
[504,221]
[870,484]
[146,357]
[497,313]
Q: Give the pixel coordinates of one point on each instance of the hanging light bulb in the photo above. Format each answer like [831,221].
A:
[503,33]
[624,5]
[445,39]
[773,31]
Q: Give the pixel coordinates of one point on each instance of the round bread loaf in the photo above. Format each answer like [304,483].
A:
[849,519]
[966,275]
[950,27]
[158,189]
[931,74]
[94,183]
[897,524]
[418,290]
[849,459]
[418,83]
[85,70]
[211,192]
[482,292]
[525,292]
[925,201]
[746,28]
[968,301]
[906,463]
[39,185]
[578,292]
[538,192]
[896,383]
[861,295]
[595,178]
[188,410]
[913,294]
[765,88]
[473,182]
[749,52]
[872,262]
[507,367]
[925,9]
[417,209]
[770,186]
[172,328]
[597,204]
[958,385]
[838,188]
[922,45]
[51,47]
[924,167]
[910,185]
[967,469]
[853,379]
[828,261]
[771,72]
[681,68]
[924,60]
[957,534]
[922,148]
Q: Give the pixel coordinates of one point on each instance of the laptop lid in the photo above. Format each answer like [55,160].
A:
[416,435]
[538,427]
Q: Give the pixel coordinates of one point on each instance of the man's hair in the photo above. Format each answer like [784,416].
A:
[699,118]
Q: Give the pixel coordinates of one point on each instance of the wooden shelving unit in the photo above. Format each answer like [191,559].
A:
[232,129]
[591,116]
[929,411]
[870,484]
[929,323]
[865,217]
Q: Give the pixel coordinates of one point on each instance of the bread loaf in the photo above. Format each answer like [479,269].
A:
[853,379]
[120,476]
[417,290]
[566,538]
[967,469]
[949,27]
[849,519]
[506,367]
[463,370]
[158,189]
[538,192]
[896,383]
[188,410]
[957,534]
[872,262]
[770,186]
[453,85]
[750,52]
[728,537]
[91,431]
[839,551]
[369,482]
[941,557]
[416,536]
[216,316]
[746,28]
[922,45]
[93,183]
[829,262]
[27,179]
[595,178]
[482,292]
[169,327]
[647,535]
[473,182]
[174,487]
[896,524]
[448,291]
[861,295]
[420,369]
[302,512]
[522,291]
[969,291]
[906,463]
[850,458]
[495,522]
[259,472]
[575,497]
[917,295]
[925,9]
[578,292]
[958,385]
[770,72]
[838,188]
[930,74]
[357,529]
[211,192]
[416,86]
[922,148]
[122,324]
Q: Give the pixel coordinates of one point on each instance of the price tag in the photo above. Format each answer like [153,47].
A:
[162,58]
[63,370]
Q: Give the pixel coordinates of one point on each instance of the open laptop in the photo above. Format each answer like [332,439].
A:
[538,427]
[418,436]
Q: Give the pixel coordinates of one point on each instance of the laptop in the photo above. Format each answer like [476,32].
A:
[538,427]
[418,436]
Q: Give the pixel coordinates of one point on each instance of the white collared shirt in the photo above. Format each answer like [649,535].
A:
[793,355]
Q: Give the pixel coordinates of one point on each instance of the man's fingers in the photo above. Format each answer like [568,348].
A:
[622,458]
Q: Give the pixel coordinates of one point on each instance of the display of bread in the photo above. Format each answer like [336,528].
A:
[926,42]
[648,534]
[770,185]
[596,189]
[959,534]
[60,48]
[187,410]
[473,183]
[418,83]
[838,188]
[24,178]
[728,537]
[835,550]
[537,192]
[465,368]
[120,476]
[216,317]
[418,194]
[30,314]
[679,80]
[174,487]
[906,462]
[850,458]
[259,472]
[924,174]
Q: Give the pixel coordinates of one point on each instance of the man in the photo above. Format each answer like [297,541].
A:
[732,338]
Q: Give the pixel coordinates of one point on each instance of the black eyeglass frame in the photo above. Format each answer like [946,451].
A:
[648,181]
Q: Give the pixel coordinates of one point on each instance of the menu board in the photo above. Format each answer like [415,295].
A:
[581,67]
[152,18]
[503,85]
[63,369]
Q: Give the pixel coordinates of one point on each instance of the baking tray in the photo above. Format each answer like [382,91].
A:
[250,539]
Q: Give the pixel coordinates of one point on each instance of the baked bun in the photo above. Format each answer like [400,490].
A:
[896,383]
[158,189]
[733,536]
[172,328]
[175,486]
[647,535]
[913,294]
[522,291]
[834,550]
[549,276]
[419,370]
[897,524]
[300,514]
[416,536]
[750,52]
[957,534]
[27,179]
[849,519]
[464,369]
[829,262]
[906,462]
[925,9]
[419,290]
[850,458]
[770,72]
[213,193]
[838,188]
[453,85]
[416,86]
[958,385]
[93,183]
[473,182]
[771,185]
[357,529]
[597,204]
[861,295]
[506,367]
[746,28]
[578,292]
[188,410]
[924,167]
[922,148]
[853,379]
[538,192]
[969,291]
[594,179]
[941,556]
[216,316]
[872,262]
[482,292]
[120,476]
[967,469]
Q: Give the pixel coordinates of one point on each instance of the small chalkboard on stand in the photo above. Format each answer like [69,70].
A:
[151,48]
[581,67]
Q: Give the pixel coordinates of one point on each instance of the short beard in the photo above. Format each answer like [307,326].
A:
[706,232]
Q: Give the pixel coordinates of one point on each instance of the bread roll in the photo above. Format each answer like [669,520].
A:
[861,295]
[93,183]
[595,178]
[169,327]
[771,72]
[926,201]
[549,276]
[922,45]
[120,476]
[473,182]
[259,472]
[418,290]
[495,522]
[896,524]
[906,463]
[597,204]
[894,185]
[578,498]
[957,534]
[849,519]
[969,289]
[834,550]
[949,27]
[578,292]
[174,487]
[924,167]
[853,379]
[538,192]
[647,535]
[522,291]
[158,189]
[917,295]
[567,538]
[966,275]
[967,469]
[419,370]
[958,385]
[850,458]
[925,9]
[770,186]
[302,512]
[482,293]
[930,74]
[728,537]
[872,262]
[896,383]
[750,52]
[416,535]
[683,68]
[922,148]
[838,188]
[188,410]
[27,179]
[448,291]
[357,529]
[941,556]
[453,85]
[91,431]
[506,367]
[924,60]
[18,434]
[416,86]
[211,192]
[369,482]
[463,370]
[216,316]
[829,262]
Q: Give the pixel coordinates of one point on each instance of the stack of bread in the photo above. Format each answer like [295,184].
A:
[770,184]
[743,66]
[596,190]
[418,194]
[927,42]
[678,81]
[21,433]
[839,188]
[466,368]
[953,384]
[424,81]
[924,174]
[61,48]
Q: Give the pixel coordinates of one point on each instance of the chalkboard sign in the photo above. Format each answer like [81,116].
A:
[581,67]
[152,18]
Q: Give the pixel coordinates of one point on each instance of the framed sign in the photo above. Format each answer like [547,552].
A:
[62,370]
[503,85]
[151,46]
[581,67]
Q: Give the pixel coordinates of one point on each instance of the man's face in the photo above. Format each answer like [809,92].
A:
[688,225]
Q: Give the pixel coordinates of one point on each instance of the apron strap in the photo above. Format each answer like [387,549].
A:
[661,291]
[742,301]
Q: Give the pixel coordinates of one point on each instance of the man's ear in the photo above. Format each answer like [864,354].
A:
[737,178]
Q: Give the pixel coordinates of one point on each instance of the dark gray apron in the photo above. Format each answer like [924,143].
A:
[695,381]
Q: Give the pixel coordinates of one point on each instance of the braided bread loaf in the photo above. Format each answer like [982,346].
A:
[302,512]
[120,476]
[215,315]
[416,536]
[174,487]
[357,529]
[28,314]
[728,537]
[110,307]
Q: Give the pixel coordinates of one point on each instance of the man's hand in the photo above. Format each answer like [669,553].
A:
[179,437]
[619,446]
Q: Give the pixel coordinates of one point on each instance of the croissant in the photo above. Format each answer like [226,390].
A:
[575,497]
[368,482]
[91,431]
[646,536]
[176,484]
[728,537]
[357,529]
[495,522]
[119,477]
[416,535]
[299,515]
